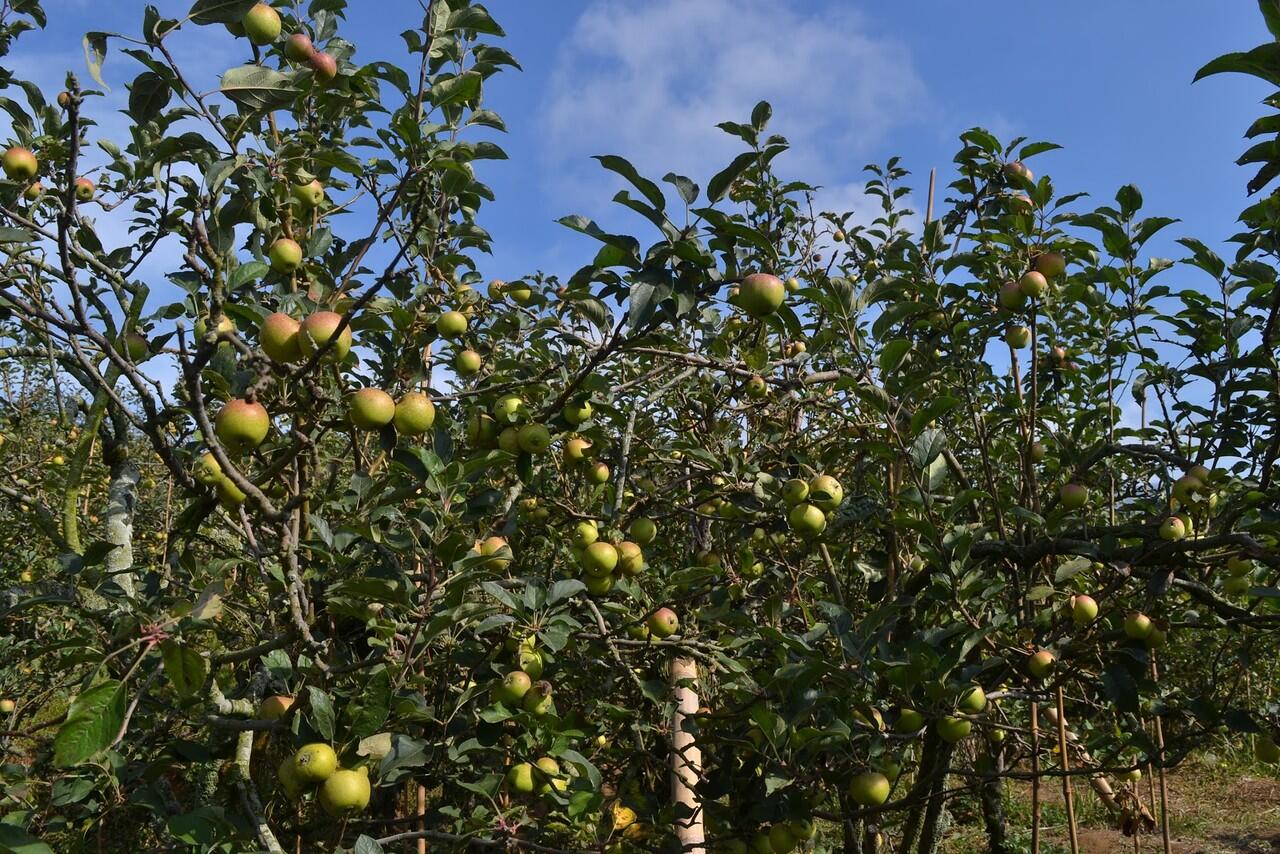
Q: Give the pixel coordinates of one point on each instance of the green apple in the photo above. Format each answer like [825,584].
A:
[952,729]
[512,689]
[1084,610]
[415,414]
[262,24]
[497,551]
[597,474]
[826,492]
[1173,529]
[781,839]
[370,409]
[467,363]
[630,558]
[972,701]
[869,789]
[315,763]
[451,324]
[285,255]
[19,164]
[1050,264]
[242,426]
[576,412]
[534,438]
[756,388]
[795,491]
[345,792]
[1137,625]
[909,720]
[760,294]
[1266,750]
[1073,496]
[311,194]
[1017,337]
[807,520]
[585,533]
[538,701]
[520,778]
[1041,664]
[599,558]
[643,530]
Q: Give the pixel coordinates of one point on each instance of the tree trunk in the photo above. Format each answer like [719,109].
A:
[928,764]
[934,816]
[686,758]
[990,795]
[122,497]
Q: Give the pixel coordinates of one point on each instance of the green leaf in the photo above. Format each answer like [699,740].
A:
[95,53]
[9,234]
[93,721]
[893,353]
[463,88]
[623,167]
[1271,14]
[932,410]
[1262,62]
[686,188]
[723,180]
[760,115]
[256,88]
[367,845]
[475,18]
[220,11]
[148,95]
[564,589]
[321,712]
[15,840]
[185,668]
[927,447]
[375,703]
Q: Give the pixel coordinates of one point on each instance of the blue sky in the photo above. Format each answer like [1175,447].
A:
[851,83]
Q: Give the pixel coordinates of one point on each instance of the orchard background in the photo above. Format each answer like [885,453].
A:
[768,527]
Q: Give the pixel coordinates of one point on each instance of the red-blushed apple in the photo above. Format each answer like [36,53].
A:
[7,706]
[318,329]
[241,425]
[415,414]
[1011,297]
[760,294]
[1039,452]
[1137,625]
[497,551]
[1173,529]
[84,189]
[1033,284]
[1041,664]
[597,474]
[298,48]
[323,66]
[278,336]
[1084,610]
[1073,495]
[19,163]
[1018,169]
[370,409]
[285,255]
[274,707]
[663,623]
[1050,264]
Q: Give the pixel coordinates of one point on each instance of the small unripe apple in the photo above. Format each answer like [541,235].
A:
[1033,284]
[519,293]
[497,551]
[1173,529]
[7,706]
[309,195]
[538,701]
[451,324]
[34,191]
[285,255]
[663,623]
[1039,452]
[1011,296]
[84,189]
[1236,586]
[315,763]
[225,326]
[643,530]
[298,48]
[241,426]
[575,412]
[973,700]
[19,164]
[1018,169]
[511,690]
[781,839]
[370,409]
[278,336]
[1017,337]
[795,491]
[1041,664]
[793,284]
[134,345]
[807,520]
[467,363]
[1051,264]
[1137,625]
[415,414]
[345,792]
[869,789]
[324,67]
[1073,495]
[909,720]
[760,294]
[1238,566]
[826,492]
[952,729]
[597,474]
[262,24]
[1156,639]
[1084,610]
[630,558]
[318,329]
[756,387]
[599,558]
[1131,776]
[533,438]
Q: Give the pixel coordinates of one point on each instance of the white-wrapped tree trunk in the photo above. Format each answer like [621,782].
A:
[686,758]
[122,497]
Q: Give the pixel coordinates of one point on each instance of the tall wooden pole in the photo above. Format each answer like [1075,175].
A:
[1164,789]
[686,758]
[1064,762]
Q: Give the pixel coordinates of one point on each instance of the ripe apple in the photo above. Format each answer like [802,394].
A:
[241,426]
[1021,203]
[520,778]
[275,707]
[1137,625]
[311,194]
[826,492]
[1041,664]
[323,66]
[285,255]
[909,720]
[467,363]
[84,189]
[534,438]
[7,706]
[370,409]
[597,474]
[869,789]
[314,763]
[663,623]
[807,520]
[345,792]
[584,534]
[19,164]
[415,414]
[760,294]
[511,690]
[1073,495]
[576,450]
[795,491]
[262,24]
[643,530]
[972,701]
[781,839]
[317,330]
[1011,297]
[1033,284]
[278,336]
[1017,337]
[630,558]
[498,552]
[1266,750]
[538,699]
[599,558]
[756,388]
[1084,610]
[1173,529]
[1018,169]
[952,729]
[1050,264]
[575,412]
[298,48]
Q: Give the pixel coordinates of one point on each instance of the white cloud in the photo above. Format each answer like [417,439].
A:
[650,80]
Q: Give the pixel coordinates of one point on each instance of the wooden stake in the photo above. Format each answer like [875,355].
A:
[686,758]
[1035,777]
[928,211]
[422,812]
[1164,789]
[1065,762]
